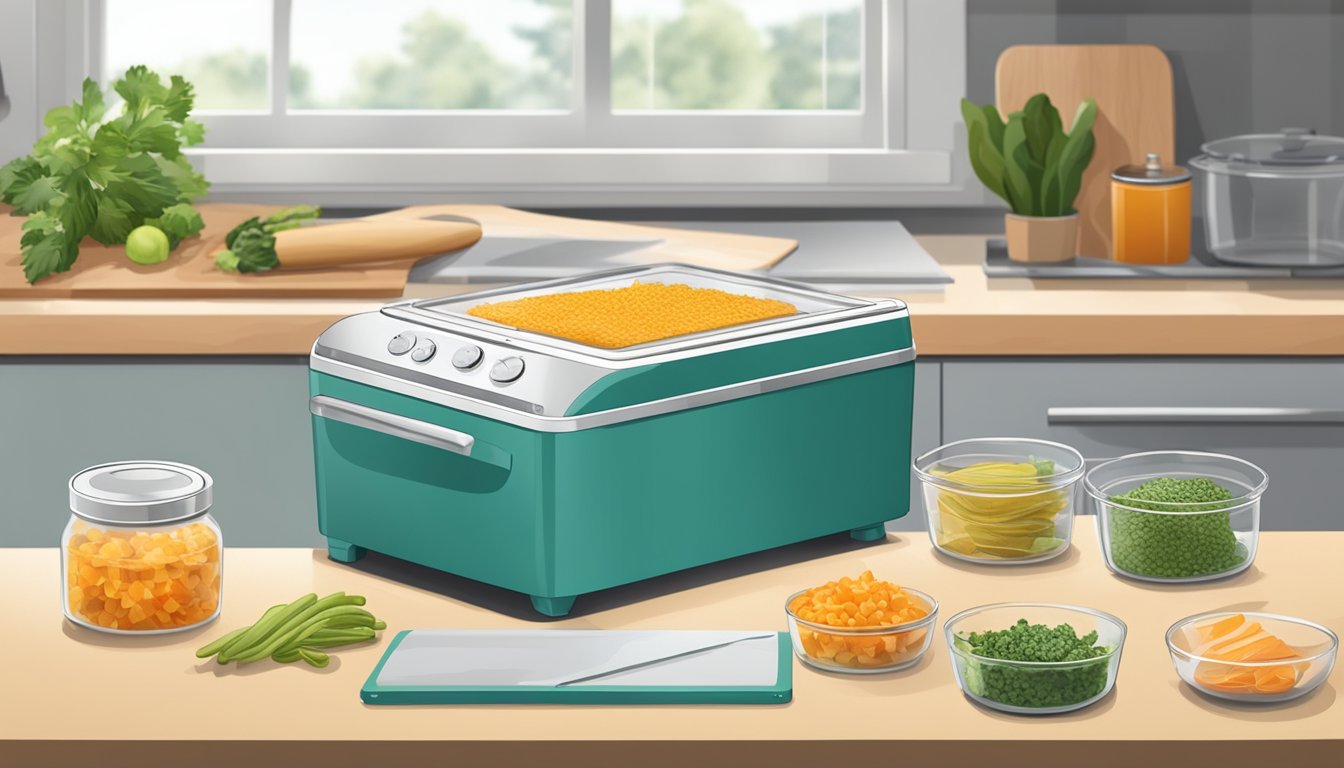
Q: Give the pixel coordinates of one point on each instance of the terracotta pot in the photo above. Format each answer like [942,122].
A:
[1041,238]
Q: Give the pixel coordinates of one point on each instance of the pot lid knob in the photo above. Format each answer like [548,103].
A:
[1152,162]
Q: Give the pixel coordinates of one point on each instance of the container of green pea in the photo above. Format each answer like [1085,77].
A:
[1177,516]
[1035,658]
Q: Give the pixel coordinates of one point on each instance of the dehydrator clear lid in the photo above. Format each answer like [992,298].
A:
[814,307]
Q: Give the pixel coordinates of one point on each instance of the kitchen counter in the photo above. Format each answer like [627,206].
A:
[975,316]
[76,696]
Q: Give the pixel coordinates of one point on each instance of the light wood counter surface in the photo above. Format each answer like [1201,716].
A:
[79,697]
[973,316]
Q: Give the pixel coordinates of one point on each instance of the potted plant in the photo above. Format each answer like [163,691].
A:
[1036,168]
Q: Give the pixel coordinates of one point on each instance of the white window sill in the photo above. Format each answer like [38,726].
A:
[585,177]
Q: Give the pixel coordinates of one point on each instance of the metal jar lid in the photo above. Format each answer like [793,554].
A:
[140,493]
[1151,172]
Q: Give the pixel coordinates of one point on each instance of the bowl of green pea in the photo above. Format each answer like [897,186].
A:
[1035,658]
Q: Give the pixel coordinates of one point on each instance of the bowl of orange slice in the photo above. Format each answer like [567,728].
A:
[1254,657]
[860,625]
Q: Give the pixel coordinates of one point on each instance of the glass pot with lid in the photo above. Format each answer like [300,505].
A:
[1275,199]
[141,553]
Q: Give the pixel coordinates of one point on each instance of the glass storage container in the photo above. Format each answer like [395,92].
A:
[1000,500]
[1035,687]
[141,553]
[1261,658]
[1177,534]
[1275,199]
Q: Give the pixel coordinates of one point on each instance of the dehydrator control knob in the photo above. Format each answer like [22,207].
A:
[506,370]
[423,352]
[401,343]
[468,357]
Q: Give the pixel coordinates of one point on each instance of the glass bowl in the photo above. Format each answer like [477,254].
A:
[1035,687]
[862,650]
[1000,500]
[1177,542]
[1265,681]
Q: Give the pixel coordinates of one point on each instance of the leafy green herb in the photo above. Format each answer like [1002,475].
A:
[251,245]
[99,176]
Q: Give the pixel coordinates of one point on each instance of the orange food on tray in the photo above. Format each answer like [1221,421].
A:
[1234,639]
[859,604]
[636,314]
[138,580]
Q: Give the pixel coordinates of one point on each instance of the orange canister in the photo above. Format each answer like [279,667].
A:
[1150,213]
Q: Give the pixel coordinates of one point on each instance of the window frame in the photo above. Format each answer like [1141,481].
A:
[897,149]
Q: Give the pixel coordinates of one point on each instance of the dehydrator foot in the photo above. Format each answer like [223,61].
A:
[552,606]
[344,551]
[870,533]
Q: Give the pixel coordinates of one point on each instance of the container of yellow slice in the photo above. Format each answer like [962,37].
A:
[1000,499]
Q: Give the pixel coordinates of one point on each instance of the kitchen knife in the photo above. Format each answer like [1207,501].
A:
[660,660]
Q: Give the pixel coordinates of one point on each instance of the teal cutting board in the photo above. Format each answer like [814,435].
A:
[531,667]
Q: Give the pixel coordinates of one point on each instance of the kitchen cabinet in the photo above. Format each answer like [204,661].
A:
[243,420]
[1287,416]
[925,435]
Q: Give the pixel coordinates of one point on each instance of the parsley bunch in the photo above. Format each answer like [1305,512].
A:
[102,176]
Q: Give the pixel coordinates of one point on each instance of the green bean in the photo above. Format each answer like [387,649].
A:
[264,627]
[248,630]
[320,640]
[286,655]
[212,648]
[310,623]
[291,619]
[315,658]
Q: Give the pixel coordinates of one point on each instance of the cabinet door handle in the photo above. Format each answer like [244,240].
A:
[1192,415]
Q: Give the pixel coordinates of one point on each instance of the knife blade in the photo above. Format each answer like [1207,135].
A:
[660,660]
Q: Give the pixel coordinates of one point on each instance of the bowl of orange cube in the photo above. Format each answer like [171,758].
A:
[1252,657]
[141,553]
[860,625]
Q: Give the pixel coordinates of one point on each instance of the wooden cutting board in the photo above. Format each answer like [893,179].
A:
[105,272]
[1136,115]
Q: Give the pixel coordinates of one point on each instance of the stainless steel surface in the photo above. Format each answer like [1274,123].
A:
[507,370]
[1151,172]
[140,493]
[814,308]
[392,424]
[423,351]
[1188,415]
[512,415]
[1201,266]
[467,357]
[496,259]
[859,255]
[552,383]
[663,659]
[401,343]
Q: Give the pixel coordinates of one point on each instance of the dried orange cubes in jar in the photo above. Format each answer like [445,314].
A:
[141,552]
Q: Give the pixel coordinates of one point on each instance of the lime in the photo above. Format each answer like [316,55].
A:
[147,245]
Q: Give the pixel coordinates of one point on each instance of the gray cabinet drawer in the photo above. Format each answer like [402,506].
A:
[1286,416]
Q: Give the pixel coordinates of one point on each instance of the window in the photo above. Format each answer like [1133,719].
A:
[725,96]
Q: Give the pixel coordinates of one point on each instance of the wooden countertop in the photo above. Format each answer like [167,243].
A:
[974,316]
[76,696]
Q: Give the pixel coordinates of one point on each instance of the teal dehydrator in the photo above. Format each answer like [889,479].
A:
[554,468]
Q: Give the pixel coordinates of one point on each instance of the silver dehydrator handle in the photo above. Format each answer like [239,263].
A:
[1199,414]
[421,432]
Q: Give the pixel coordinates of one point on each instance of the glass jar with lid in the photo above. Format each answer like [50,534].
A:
[141,553]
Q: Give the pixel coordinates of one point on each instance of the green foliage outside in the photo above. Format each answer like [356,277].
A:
[708,57]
